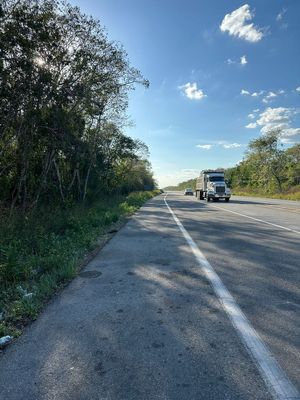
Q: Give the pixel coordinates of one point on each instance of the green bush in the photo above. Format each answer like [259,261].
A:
[291,194]
[21,310]
[7,329]
[40,251]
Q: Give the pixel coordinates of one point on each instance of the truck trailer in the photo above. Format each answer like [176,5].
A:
[211,186]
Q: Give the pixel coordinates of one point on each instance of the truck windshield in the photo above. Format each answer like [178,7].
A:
[216,179]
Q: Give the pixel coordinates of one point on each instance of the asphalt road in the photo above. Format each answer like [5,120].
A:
[143,322]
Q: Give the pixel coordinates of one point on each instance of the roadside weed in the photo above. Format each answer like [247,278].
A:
[42,250]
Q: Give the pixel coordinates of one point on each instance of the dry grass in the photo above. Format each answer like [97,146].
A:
[292,194]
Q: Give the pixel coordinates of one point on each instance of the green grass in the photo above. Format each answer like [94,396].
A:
[292,194]
[42,250]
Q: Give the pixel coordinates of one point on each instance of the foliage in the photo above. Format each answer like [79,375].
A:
[63,97]
[66,165]
[191,183]
[42,250]
[267,168]
[291,194]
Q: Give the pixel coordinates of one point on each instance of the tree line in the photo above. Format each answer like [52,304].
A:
[267,167]
[63,97]
[190,183]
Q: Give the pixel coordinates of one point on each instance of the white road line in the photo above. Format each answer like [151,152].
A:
[279,384]
[258,220]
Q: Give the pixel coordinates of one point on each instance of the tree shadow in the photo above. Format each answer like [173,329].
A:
[148,327]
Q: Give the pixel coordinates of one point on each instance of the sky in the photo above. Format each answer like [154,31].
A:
[221,72]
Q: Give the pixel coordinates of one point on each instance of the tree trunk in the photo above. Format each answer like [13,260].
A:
[78,184]
[47,165]
[86,182]
[278,180]
[59,180]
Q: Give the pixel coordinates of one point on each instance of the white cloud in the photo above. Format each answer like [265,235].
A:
[245,92]
[205,146]
[223,143]
[243,60]
[232,145]
[281,14]
[292,131]
[254,94]
[287,140]
[256,110]
[268,96]
[235,24]
[273,116]
[191,91]
[252,116]
[230,61]
[279,118]
[298,89]
[252,125]
[271,95]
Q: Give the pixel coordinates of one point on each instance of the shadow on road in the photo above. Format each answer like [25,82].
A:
[150,326]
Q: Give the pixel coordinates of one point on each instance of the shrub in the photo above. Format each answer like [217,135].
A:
[40,251]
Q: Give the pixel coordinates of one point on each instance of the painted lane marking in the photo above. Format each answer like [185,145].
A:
[275,378]
[257,219]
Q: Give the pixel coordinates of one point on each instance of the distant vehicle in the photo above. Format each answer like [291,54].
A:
[211,185]
[189,192]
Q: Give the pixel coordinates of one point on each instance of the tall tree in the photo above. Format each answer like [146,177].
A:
[269,158]
[62,83]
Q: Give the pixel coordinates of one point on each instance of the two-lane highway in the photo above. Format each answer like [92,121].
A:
[253,245]
[146,321]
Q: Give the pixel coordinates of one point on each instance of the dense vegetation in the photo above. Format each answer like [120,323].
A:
[41,252]
[63,97]
[191,183]
[66,167]
[267,169]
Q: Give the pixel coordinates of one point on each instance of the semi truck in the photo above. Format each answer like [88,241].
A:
[210,185]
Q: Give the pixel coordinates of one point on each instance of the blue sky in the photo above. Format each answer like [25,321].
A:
[221,73]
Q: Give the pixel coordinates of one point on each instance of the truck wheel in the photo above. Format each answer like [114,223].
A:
[227,199]
[201,195]
[207,199]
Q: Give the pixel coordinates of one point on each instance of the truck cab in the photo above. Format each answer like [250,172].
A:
[211,186]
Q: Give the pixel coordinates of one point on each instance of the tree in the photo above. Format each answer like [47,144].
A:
[62,85]
[268,158]
[293,164]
